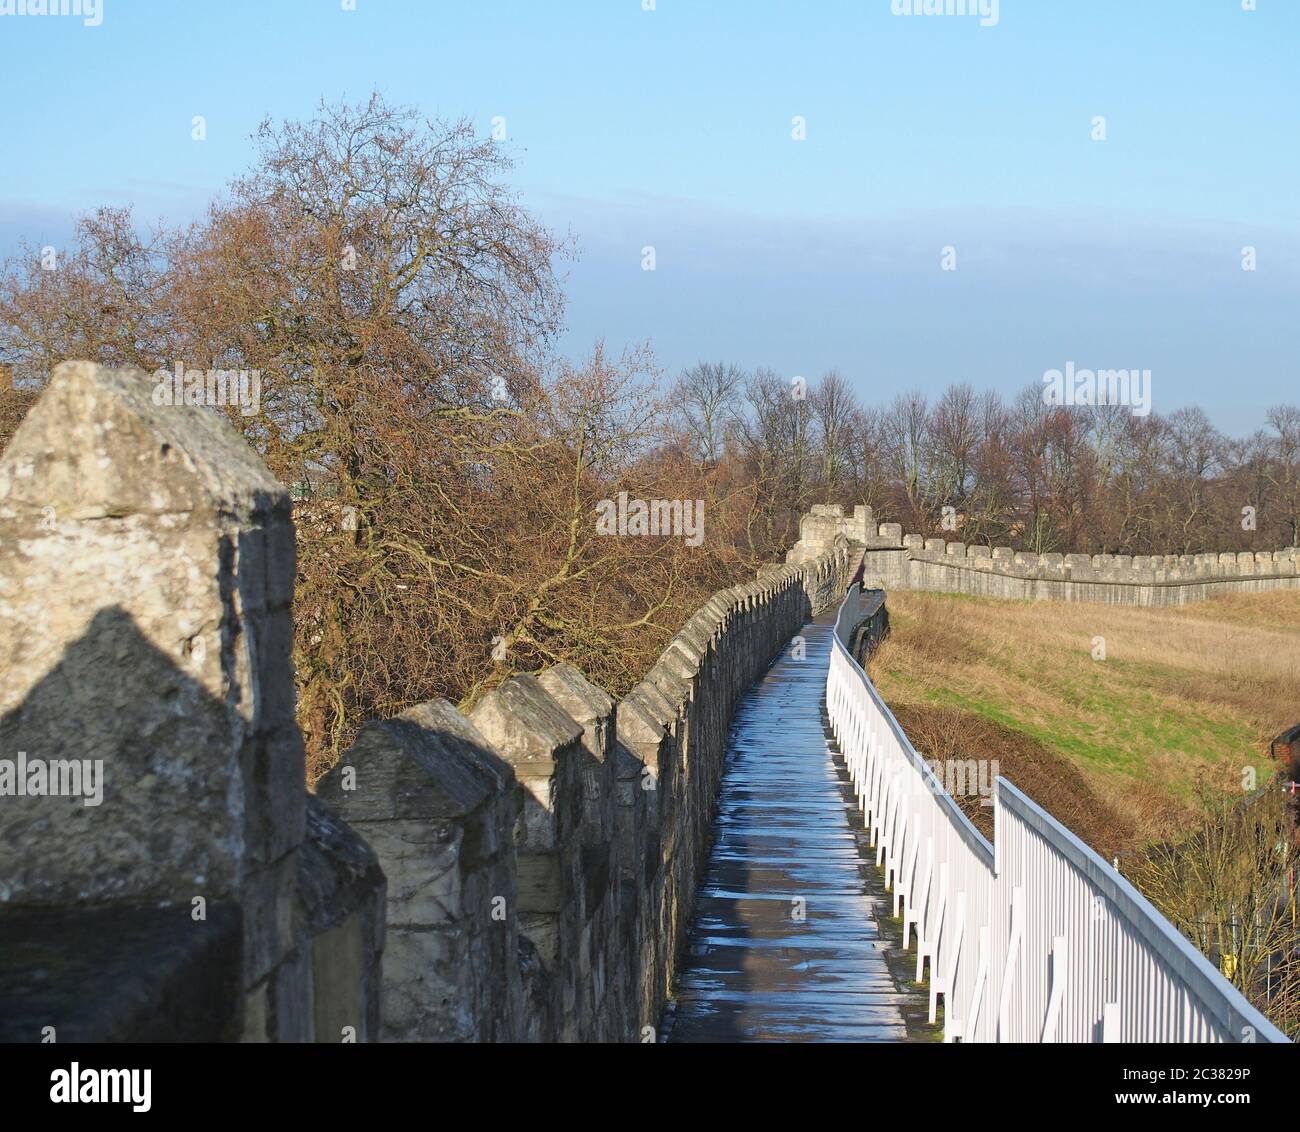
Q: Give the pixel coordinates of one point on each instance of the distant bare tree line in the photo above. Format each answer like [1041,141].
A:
[1024,473]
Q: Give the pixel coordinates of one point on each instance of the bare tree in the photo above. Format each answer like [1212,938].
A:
[706,397]
[908,423]
[1226,887]
[952,442]
[1284,474]
[833,407]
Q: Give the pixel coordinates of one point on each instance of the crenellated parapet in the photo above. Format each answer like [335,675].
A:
[523,872]
[608,807]
[894,560]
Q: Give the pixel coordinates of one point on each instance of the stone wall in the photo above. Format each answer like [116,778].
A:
[894,560]
[543,853]
[526,872]
[146,575]
[865,624]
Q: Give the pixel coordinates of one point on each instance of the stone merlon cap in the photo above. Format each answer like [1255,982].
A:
[96,445]
[738,596]
[652,704]
[429,762]
[690,641]
[523,723]
[636,720]
[704,625]
[582,700]
[667,677]
[719,606]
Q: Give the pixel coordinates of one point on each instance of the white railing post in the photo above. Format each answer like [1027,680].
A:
[917,914]
[977,993]
[1060,952]
[1009,971]
[948,981]
[1110,1023]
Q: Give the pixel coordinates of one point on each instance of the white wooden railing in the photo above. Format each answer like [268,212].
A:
[1035,937]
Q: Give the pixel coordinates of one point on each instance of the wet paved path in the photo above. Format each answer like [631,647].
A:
[755,971]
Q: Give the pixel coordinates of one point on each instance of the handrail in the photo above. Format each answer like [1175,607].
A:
[842,633]
[1007,923]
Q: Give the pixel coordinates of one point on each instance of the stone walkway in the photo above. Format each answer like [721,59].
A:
[785,945]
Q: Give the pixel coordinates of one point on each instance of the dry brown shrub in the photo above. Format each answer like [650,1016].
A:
[1050,779]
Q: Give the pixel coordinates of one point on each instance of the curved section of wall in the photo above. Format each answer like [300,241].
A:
[894,560]
[543,853]
[1178,581]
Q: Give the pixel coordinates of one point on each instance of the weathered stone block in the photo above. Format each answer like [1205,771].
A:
[340,926]
[440,808]
[862,526]
[147,632]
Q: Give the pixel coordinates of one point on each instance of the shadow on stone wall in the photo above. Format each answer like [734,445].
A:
[146,570]
[135,917]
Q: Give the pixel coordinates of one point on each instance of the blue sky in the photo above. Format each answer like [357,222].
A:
[672,128]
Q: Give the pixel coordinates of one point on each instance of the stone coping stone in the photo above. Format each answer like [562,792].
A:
[95,445]
[582,700]
[653,705]
[637,722]
[525,726]
[428,763]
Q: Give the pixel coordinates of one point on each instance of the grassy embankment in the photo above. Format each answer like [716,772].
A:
[1111,747]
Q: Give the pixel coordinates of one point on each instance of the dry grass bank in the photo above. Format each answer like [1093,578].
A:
[1113,747]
